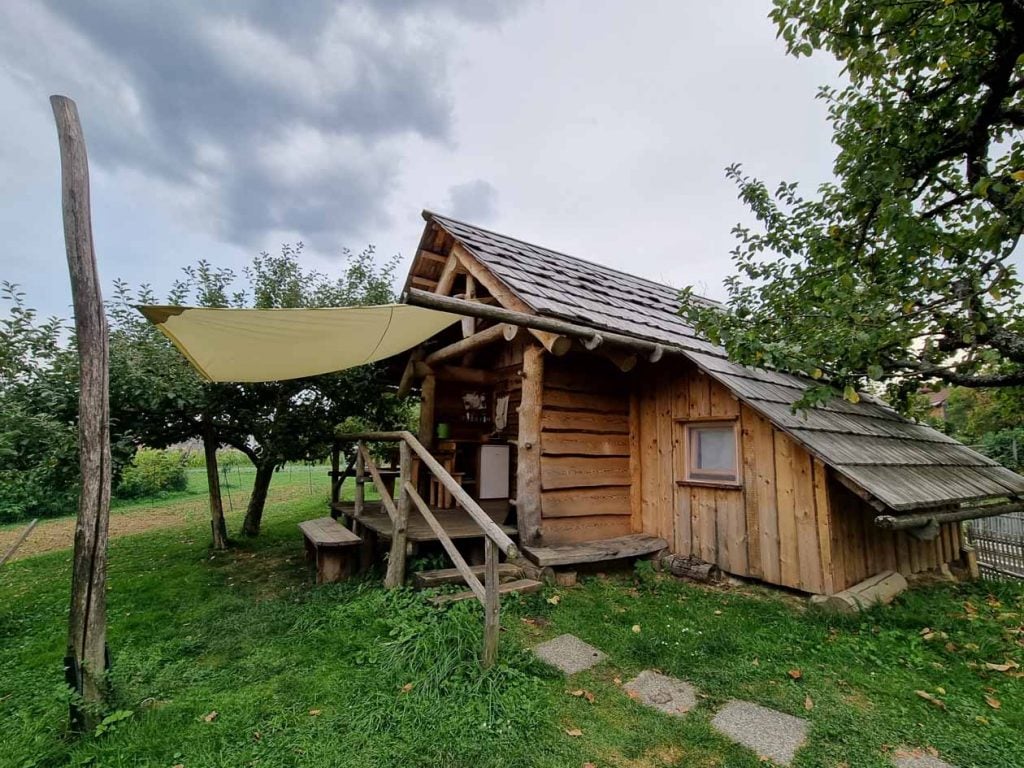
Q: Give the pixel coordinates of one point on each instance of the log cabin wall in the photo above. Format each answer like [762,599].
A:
[585,450]
[860,548]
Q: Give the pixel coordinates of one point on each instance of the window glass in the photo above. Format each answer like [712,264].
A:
[712,452]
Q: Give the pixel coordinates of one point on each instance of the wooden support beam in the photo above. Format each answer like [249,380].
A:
[457,373]
[904,522]
[533,322]
[395,575]
[492,602]
[447,278]
[593,342]
[437,258]
[485,278]
[424,282]
[469,344]
[625,361]
[409,373]
[528,496]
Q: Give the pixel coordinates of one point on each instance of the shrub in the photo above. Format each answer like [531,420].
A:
[152,473]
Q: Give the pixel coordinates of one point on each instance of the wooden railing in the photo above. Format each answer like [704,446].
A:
[496,541]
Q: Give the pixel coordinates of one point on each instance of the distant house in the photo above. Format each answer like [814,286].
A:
[936,402]
[636,433]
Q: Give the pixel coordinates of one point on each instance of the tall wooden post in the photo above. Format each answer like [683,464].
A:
[395,575]
[492,602]
[336,478]
[528,501]
[85,663]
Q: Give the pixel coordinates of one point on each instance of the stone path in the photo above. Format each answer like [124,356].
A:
[569,654]
[666,694]
[770,734]
[773,735]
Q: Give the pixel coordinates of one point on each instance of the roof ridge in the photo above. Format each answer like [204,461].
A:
[428,215]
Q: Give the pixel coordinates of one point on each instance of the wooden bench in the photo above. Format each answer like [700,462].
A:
[327,544]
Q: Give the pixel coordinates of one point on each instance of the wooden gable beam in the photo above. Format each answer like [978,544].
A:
[554,343]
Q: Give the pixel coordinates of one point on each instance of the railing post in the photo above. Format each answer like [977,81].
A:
[336,478]
[360,480]
[491,602]
[396,560]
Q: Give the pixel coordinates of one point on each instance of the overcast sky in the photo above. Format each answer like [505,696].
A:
[217,129]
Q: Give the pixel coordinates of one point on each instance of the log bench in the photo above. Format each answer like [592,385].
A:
[329,544]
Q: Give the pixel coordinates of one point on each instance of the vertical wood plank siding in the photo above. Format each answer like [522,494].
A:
[789,523]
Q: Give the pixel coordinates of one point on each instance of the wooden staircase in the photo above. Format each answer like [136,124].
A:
[511,577]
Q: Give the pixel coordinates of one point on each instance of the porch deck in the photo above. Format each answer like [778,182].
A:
[456,522]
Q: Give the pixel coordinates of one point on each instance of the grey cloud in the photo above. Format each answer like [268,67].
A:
[475,201]
[283,115]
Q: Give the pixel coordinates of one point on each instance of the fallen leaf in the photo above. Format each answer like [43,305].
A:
[993,702]
[589,697]
[636,629]
[808,703]
[589,765]
[982,720]
[941,691]
[756,662]
[573,732]
[315,712]
[210,716]
[577,693]
[969,608]
[718,613]
[555,599]
[407,687]
[1010,664]
[931,699]
[951,647]
[795,674]
[633,695]
[617,680]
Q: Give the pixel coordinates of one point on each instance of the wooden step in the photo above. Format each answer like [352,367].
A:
[519,586]
[428,579]
[634,545]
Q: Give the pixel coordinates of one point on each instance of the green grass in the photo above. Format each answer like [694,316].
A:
[308,676]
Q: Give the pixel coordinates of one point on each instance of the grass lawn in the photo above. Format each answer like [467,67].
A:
[350,675]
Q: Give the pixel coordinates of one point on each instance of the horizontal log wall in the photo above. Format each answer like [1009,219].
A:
[585,451]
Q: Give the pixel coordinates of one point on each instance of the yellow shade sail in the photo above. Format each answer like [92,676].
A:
[277,344]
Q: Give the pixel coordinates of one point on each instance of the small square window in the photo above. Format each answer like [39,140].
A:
[711,452]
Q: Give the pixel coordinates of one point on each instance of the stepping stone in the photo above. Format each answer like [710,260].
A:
[770,734]
[667,694]
[908,757]
[569,654]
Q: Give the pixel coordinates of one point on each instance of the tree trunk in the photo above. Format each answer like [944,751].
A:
[85,664]
[218,527]
[258,499]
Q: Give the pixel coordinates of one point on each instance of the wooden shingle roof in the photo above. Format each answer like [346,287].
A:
[902,464]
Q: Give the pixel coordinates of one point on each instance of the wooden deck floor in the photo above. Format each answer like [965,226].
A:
[456,522]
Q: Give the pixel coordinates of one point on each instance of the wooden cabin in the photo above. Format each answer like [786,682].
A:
[627,433]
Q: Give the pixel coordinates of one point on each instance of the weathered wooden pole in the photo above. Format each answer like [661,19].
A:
[85,663]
